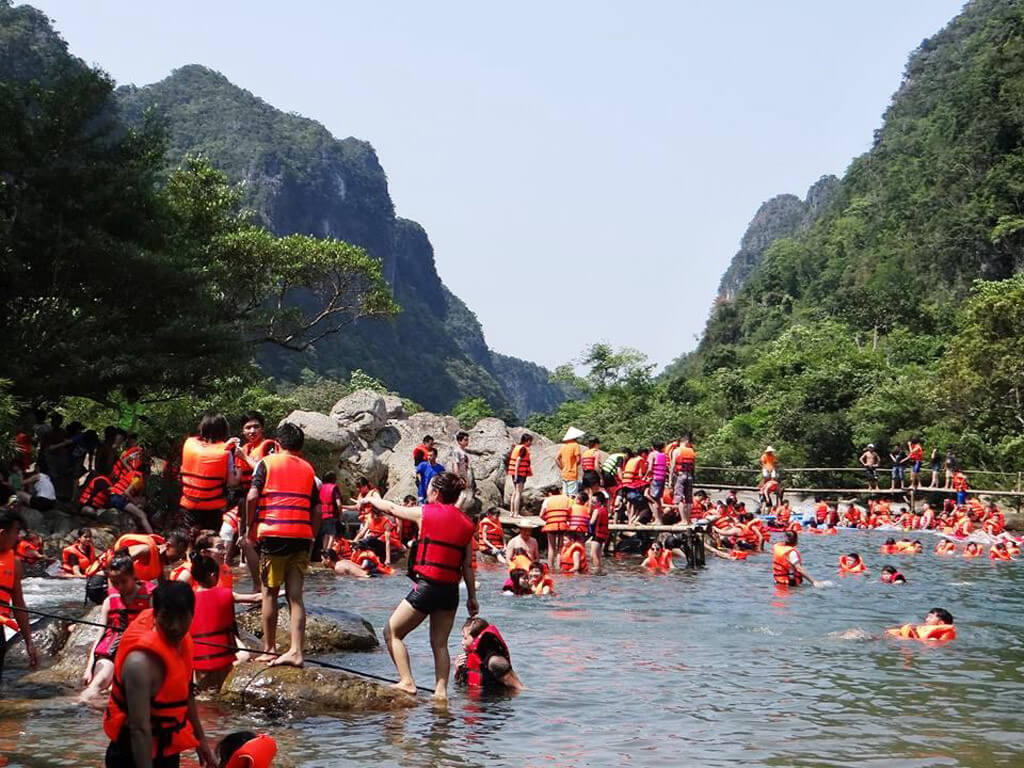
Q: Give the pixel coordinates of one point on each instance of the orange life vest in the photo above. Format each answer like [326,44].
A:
[172,732]
[147,566]
[936,633]
[213,626]
[546,582]
[972,552]
[555,513]
[204,475]
[125,481]
[255,753]
[96,493]
[257,451]
[959,482]
[130,460]
[7,572]
[522,454]
[579,518]
[491,534]
[685,459]
[997,554]
[904,547]
[565,558]
[850,565]
[444,533]
[285,502]
[26,552]
[183,567]
[945,548]
[633,472]
[588,461]
[84,557]
[783,570]
[660,562]
[519,563]
[367,560]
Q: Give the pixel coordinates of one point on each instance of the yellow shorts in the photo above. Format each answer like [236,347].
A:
[274,568]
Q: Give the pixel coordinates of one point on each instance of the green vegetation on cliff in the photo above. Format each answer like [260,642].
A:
[856,328]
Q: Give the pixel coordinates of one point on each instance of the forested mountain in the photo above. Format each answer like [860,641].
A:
[300,179]
[865,321]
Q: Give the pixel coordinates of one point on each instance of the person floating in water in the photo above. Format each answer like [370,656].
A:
[245,749]
[539,579]
[938,628]
[852,563]
[658,558]
[787,565]
[890,575]
[485,662]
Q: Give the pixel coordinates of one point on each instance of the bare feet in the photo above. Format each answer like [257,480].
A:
[291,658]
[265,657]
[405,685]
[441,696]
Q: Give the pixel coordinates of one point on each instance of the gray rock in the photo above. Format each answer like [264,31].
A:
[66,669]
[320,428]
[49,637]
[395,408]
[327,632]
[364,412]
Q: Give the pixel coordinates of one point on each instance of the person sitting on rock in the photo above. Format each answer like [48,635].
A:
[490,536]
[78,555]
[379,535]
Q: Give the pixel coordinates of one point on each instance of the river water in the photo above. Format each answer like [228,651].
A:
[709,668]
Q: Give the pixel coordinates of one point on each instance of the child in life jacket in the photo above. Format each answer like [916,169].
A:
[126,599]
[245,749]
[938,628]
[973,549]
[890,575]
[517,583]
[889,547]
[485,661]
[852,563]
[999,551]
[658,558]
[573,558]
[490,536]
[540,580]
[945,547]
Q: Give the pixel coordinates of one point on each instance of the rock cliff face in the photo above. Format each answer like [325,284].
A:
[299,179]
[782,216]
[370,435]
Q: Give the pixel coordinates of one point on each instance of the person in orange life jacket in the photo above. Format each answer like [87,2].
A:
[366,559]
[579,514]
[485,660]
[339,561]
[787,566]
[77,556]
[176,556]
[523,542]
[364,490]
[517,583]
[634,483]
[213,623]
[94,496]
[284,519]
[998,551]
[519,470]
[30,548]
[599,533]
[938,628]
[540,580]
[928,517]
[945,547]
[590,462]
[852,563]
[128,599]
[972,549]
[128,494]
[151,717]
[379,533]
[245,749]
[959,484]
[208,471]
[554,511]
[889,575]
[573,557]
[888,547]
[12,601]
[683,468]
[421,451]
[915,457]
[443,555]
[490,536]
[247,456]
[658,558]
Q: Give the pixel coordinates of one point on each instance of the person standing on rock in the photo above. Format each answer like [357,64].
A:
[425,472]
[463,468]
[12,601]
[282,508]
[568,461]
[519,469]
[443,556]
[207,470]
[590,463]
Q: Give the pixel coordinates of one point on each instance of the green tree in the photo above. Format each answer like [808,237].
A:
[470,410]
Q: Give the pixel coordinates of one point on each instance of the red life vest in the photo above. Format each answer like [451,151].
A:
[147,566]
[916,452]
[367,560]
[588,461]
[84,557]
[119,616]
[285,505]
[130,460]
[522,453]
[259,450]
[96,493]
[998,554]
[175,573]
[23,450]
[7,572]
[491,534]
[213,627]
[782,570]
[124,482]
[204,475]
[444,533]
[579,518]
[601,524]
[565,558]
[959,482]
[659,562]
[255,753]
[555,513]
[475,675]
[327,507]
[926,633]
[26,552]
[685,459]
[172,732]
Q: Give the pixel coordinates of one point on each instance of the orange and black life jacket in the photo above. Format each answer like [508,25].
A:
[130,460]
[522,454]
[204,475]
[286,501]
[588,461]
[258,450]
[783,570]
[565,558]
[444,533]
[83,557]
[579,518]
[555,513]
[491,534]
[125,481]
[685,459]
[96,493]
[851,565]
[171,729]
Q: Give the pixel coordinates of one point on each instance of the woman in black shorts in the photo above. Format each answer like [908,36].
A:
[441,557]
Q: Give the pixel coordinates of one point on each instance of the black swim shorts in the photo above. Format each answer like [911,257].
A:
[427,596]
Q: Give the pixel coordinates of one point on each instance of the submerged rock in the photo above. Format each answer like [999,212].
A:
[308,691]
[49,636]
[65,671]
[325,633]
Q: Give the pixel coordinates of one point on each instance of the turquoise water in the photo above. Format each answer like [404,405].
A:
[708,668]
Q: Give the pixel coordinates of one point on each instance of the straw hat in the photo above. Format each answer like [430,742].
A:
[769,449]
[573,434]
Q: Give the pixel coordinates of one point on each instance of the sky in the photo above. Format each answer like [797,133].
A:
[584,169]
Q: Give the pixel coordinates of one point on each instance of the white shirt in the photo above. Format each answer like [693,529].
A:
[44,487]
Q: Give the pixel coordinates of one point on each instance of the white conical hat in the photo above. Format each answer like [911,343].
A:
[769,449]
[573,434]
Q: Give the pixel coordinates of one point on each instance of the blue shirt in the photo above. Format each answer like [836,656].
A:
[425,471]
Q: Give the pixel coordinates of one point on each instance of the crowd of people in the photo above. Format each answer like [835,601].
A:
[168,589]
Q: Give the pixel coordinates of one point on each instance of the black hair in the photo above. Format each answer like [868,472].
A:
[56,419]
[854,554]
[362,482]
[330,477]
[526,438]
[408,497]
[213,427]
[658,445]
[290,436]
[475,625]
[75,427]
[253,416]
[594,441]
[121,563]
[498,666]
[232,743]
[81,532]
[428,439]
[175,597]
[582,497]
[888,569]
[131,393]
[448,486]
[205,570]
[8,518]
[461,434]
[109,433]
[942,613]
[179,538]
[791,538]
[890,541]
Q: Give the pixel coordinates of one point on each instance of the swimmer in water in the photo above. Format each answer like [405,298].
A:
[890,575]
[485,661]
[245,749]
[851,563]
[787,565]
[938,628]
[658,558]
[973,549]
[889,547]
[540,580]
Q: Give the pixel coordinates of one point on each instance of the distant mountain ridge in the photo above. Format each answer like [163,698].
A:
[298,178]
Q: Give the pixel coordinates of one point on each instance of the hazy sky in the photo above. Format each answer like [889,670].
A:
[585,170]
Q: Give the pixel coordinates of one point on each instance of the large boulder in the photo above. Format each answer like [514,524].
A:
[48,635]
[329,632]
[308,691]
[364,412]
[321,428]
[65,671]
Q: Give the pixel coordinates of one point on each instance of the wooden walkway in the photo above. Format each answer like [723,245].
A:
[863,491]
